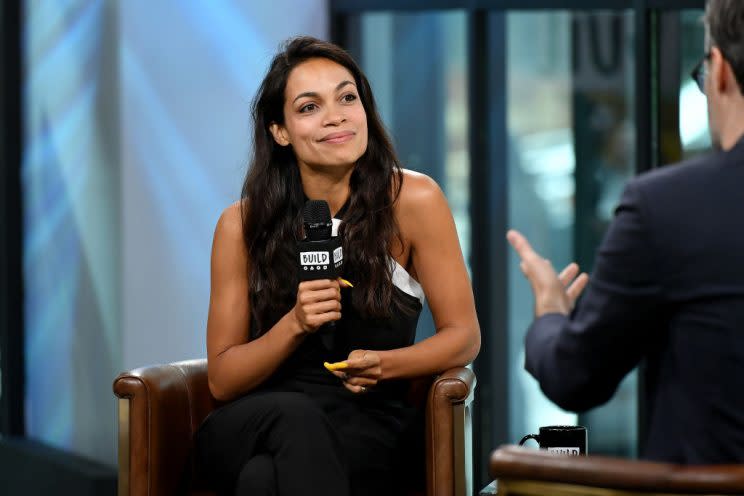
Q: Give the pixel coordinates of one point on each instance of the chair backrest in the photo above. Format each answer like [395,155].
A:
[530,472]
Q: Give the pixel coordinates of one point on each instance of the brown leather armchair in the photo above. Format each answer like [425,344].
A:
[161,406]
[530,472]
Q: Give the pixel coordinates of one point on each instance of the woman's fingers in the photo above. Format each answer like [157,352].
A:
[316,284]
[361,370]
[359,386]
[363,359]
[357,389]
[360,381]
[318,302]
[361,378]
[322,307]
[313,296]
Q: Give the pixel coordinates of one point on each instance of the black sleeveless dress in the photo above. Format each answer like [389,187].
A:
[302,430]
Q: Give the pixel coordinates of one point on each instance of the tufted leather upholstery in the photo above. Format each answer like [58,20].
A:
[161,406]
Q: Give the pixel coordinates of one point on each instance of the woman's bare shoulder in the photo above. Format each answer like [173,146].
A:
[228,234]
[230,222]
[418,192]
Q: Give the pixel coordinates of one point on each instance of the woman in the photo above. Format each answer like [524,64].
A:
[291,426]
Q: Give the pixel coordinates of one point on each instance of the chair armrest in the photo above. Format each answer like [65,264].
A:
[514,462]
[448,433]
[160,408]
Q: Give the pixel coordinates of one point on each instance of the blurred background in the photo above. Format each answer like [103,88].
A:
[125,133]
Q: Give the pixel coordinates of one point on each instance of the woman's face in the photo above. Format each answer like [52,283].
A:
[324,119]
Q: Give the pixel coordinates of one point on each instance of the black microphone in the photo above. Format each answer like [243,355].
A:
[319,255]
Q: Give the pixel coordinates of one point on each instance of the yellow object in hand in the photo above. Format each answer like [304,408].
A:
[335,366]
[348,284]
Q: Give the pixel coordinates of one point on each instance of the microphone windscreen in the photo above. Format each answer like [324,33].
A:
[316,212]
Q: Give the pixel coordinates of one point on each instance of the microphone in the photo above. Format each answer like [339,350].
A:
[320,255]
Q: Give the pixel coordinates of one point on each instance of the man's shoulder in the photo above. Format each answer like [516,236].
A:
[688,194]
[671,176]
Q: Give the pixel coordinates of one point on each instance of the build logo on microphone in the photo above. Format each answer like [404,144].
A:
[314,260]
[338,257]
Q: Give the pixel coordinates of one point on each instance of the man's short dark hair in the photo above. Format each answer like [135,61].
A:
[725,20]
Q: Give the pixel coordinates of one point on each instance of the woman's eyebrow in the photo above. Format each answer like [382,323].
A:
[313,94]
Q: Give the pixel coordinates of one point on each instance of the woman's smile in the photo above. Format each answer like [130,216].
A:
[338,137]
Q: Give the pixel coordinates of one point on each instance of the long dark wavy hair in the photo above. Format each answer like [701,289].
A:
[272,199]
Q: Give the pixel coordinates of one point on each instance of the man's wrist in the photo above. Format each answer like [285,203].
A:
[552,306]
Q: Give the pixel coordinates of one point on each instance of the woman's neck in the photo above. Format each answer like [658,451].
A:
[329,184]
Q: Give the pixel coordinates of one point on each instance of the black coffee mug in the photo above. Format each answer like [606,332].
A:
[568,440]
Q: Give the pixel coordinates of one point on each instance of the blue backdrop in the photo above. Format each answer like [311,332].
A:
[137,136]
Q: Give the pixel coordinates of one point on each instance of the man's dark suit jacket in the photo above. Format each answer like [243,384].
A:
[668,286]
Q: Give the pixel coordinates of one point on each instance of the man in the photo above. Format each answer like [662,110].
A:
[668,285]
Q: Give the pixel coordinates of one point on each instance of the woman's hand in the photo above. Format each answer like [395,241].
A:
[362,372]
[318,302]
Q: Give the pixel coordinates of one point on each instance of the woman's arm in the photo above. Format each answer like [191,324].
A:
[235,364]
[427,226]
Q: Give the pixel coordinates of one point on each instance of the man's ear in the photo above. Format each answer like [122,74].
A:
[720,70]
[279,133]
